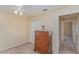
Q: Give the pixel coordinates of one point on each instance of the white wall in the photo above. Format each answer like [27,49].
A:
[13,30]
[51,20]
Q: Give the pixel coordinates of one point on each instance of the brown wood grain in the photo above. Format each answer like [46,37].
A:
[42,41]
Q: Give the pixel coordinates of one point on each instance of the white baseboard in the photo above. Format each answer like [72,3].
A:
[13,46]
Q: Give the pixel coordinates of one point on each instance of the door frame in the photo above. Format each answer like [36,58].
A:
[73,30]
[62,28]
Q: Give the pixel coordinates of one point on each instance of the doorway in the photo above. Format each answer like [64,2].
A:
[67,34]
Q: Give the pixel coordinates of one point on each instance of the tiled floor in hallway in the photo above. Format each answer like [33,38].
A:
[26,48]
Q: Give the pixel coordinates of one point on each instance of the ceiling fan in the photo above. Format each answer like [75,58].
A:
[19,10]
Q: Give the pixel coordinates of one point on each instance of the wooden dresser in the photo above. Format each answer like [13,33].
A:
[42,41]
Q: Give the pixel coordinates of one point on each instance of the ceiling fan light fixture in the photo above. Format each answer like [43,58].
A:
[45,9]
[16,12]
[21,13]
[19,10]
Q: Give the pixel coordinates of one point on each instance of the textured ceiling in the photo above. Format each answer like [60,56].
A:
[30,10]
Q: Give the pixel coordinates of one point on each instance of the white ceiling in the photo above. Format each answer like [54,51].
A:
[30,10]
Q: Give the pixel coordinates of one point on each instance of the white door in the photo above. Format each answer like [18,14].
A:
[35,25]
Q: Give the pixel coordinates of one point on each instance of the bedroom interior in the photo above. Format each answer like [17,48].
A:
[39,29]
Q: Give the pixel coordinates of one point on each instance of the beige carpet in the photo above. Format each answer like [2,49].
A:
[64,49]
[26,48]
